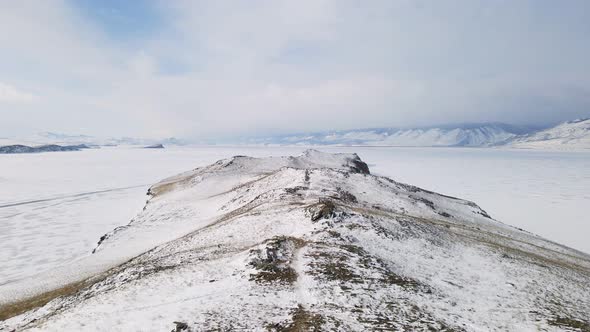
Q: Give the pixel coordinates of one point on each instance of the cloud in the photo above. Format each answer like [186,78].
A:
[10,94]
[213,69]
[143,65]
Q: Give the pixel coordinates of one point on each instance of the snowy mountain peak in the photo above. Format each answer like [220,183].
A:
[312,242]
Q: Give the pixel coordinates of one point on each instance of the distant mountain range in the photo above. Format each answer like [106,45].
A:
[570,135]
[51,138]
[36,149]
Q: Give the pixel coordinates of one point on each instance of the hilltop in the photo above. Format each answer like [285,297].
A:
[312,242]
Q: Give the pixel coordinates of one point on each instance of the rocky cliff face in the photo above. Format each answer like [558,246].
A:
[317,243]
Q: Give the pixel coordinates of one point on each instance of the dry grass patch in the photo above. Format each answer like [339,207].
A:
[19,307]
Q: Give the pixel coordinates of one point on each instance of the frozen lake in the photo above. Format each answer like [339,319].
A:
[55,206]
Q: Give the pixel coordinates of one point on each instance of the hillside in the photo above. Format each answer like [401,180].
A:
[313,242]
[568,135]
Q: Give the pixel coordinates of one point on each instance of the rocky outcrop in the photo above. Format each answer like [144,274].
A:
[155,146]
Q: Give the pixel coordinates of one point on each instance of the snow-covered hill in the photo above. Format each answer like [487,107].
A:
[568,135]
[460,135]
[308,243]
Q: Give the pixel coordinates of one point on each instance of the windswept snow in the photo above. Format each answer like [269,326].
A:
[315,242]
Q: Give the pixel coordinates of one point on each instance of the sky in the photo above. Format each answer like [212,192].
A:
[213,69]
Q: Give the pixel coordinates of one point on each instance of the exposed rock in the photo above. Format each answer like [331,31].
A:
[155,146]
[180,326]
[360,166]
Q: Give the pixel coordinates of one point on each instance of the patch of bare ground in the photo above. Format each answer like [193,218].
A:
[324,209]
[301,321]
[273,261]
[19,307]
[570,324]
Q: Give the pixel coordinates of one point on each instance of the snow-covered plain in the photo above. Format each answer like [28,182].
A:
[55,206]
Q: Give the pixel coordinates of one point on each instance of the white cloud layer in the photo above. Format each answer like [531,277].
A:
[219,68]
[10,94]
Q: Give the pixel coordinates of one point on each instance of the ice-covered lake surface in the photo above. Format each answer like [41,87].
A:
[55,206]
